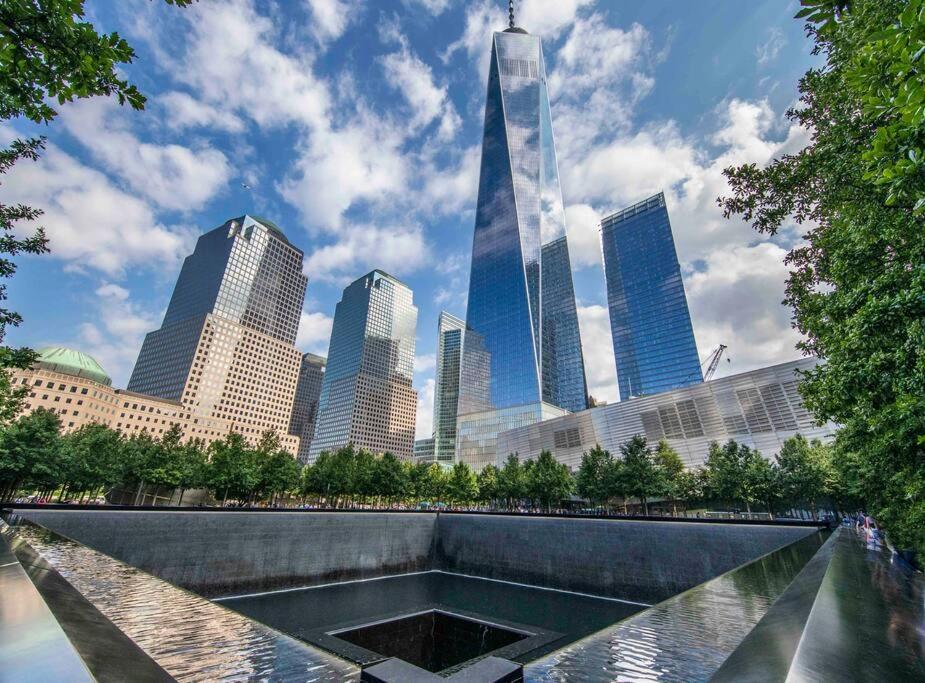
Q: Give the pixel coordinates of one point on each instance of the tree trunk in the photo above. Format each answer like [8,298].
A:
[141,486]
[225,498]
[180,500]
[645,506]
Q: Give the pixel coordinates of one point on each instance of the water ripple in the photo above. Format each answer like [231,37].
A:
[190,637]
[685,638]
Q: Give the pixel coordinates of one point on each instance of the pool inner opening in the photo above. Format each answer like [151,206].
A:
[433,640]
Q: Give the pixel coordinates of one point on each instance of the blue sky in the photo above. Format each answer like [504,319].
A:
[355,126]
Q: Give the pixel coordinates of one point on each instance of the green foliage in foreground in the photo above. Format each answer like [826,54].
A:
[857,279]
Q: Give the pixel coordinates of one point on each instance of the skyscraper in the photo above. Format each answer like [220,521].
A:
[564,383]
[366,397]
[305,405]
[653,340]
[225,347]
[519,208]
[450,334]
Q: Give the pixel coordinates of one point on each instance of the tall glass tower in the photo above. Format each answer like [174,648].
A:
[519,209]
[366,396]
[653,340]
[450,335]
[225,349]
[305,403]
[564,383]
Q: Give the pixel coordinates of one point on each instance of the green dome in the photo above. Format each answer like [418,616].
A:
[71,362]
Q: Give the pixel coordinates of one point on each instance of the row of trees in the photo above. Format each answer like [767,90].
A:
[81,465]
[734,476]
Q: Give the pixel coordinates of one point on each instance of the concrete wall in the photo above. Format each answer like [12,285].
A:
[228,553]
[222,553]
[637,560]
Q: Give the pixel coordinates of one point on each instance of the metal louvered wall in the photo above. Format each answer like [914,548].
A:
[761,408]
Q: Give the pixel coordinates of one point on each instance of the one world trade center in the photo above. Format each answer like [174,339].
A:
[522,360]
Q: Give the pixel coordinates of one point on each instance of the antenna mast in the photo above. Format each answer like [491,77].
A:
[510,11]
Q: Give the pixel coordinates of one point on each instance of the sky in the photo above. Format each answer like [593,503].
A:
[355,125]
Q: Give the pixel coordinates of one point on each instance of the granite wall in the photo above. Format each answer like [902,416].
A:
[637,560]
[228,553]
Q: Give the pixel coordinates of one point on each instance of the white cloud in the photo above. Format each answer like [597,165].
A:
[314,332]
[89,221]
[435,7]
[425,362]
[547,18]
[331,17]
[337,168]
[230,58]
[182,110]
[451,188]
[584,237]
[119,327]
[415,80]
[424,427]
[482,19]
[767,51]
[736,301]
[173,176]
[597,348]
[361,248]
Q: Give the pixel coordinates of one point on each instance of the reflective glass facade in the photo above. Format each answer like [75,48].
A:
[564,382]
[305,405]
[244,271]
[653,339]
[225,348]
[366,397]
[519,209]
[450,333]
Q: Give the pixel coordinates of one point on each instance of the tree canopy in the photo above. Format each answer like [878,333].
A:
[857,279]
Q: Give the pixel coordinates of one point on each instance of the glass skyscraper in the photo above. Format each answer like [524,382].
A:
[366,397]
[450,334]
[653,340]
[519,209]
[225,349]
[564,383]
[305,405]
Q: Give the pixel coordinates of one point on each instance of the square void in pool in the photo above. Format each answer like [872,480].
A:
[434,640]
[345,618]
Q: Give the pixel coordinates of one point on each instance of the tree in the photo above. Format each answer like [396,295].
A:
[511,481]
[591,480]
[548,481]
[489,484]
[232,469]
[641,478]
[278,474]
[193,467]
[690,486]
[30,453]
[389,477]
[462,486]
[761,482]
[802,471]
[857,280]
[93,454]
[670,468]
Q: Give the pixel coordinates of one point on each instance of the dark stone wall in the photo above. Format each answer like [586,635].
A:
[636,560]
[225,553]
[230,553]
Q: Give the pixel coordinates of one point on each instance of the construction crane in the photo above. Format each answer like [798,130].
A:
[713,362]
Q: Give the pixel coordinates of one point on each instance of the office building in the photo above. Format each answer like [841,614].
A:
[519,208]
[225,348]
[760,408]
[305,404]
[366,397]
[564,383]
[424,451]
[450,335]
[75,387]
[653,340]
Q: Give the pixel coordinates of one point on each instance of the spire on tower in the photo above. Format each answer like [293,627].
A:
[510,10]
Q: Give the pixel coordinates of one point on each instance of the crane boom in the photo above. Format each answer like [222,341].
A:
[713,362]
